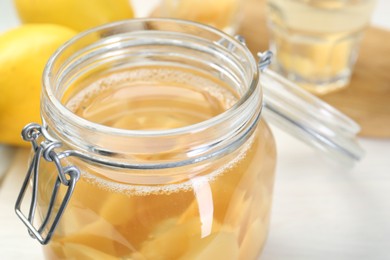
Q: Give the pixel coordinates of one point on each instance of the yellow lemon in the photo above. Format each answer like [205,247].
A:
[77,14]
[24,52]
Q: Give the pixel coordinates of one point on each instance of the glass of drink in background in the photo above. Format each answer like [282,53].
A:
[316,42]
[222,14]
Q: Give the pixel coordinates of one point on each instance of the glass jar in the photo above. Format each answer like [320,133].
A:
[174,158]
[153,144]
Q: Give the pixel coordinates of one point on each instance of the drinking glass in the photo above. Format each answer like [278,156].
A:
[316,42]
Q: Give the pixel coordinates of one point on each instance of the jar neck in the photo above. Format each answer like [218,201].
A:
[157,42]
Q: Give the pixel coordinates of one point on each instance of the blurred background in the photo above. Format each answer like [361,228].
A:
[319,212]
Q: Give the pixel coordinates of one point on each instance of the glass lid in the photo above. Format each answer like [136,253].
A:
[308,118]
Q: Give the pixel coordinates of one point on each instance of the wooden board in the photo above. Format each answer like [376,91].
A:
[367,98]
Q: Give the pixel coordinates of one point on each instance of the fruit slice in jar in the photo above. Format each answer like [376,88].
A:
[54,250]
[254,238]
[101,236]
[77,251]
[216,246]
[170,239]
[118,209]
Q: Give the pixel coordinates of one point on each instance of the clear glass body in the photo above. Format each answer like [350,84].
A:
[316,42]
[176,106]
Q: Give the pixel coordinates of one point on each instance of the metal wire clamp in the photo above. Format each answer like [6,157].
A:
[67,176]
[265,58]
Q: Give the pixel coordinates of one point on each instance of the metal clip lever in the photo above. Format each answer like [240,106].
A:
[67,176]
[264,57]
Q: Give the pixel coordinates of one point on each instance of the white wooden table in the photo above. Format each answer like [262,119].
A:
[319,212]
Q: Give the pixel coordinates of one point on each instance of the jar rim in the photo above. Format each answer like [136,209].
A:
[47,75]
[221,56]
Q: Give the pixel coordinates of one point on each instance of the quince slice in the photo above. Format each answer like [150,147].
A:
[78,251]
[102,236]
[118,209]
[216,246]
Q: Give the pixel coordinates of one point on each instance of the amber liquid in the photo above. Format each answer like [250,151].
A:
[219,211]
[316,42]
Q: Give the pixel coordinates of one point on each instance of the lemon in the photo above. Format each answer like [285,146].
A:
[76,14]
[24,52]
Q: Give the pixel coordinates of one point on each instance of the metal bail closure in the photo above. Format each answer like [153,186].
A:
[67,176]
